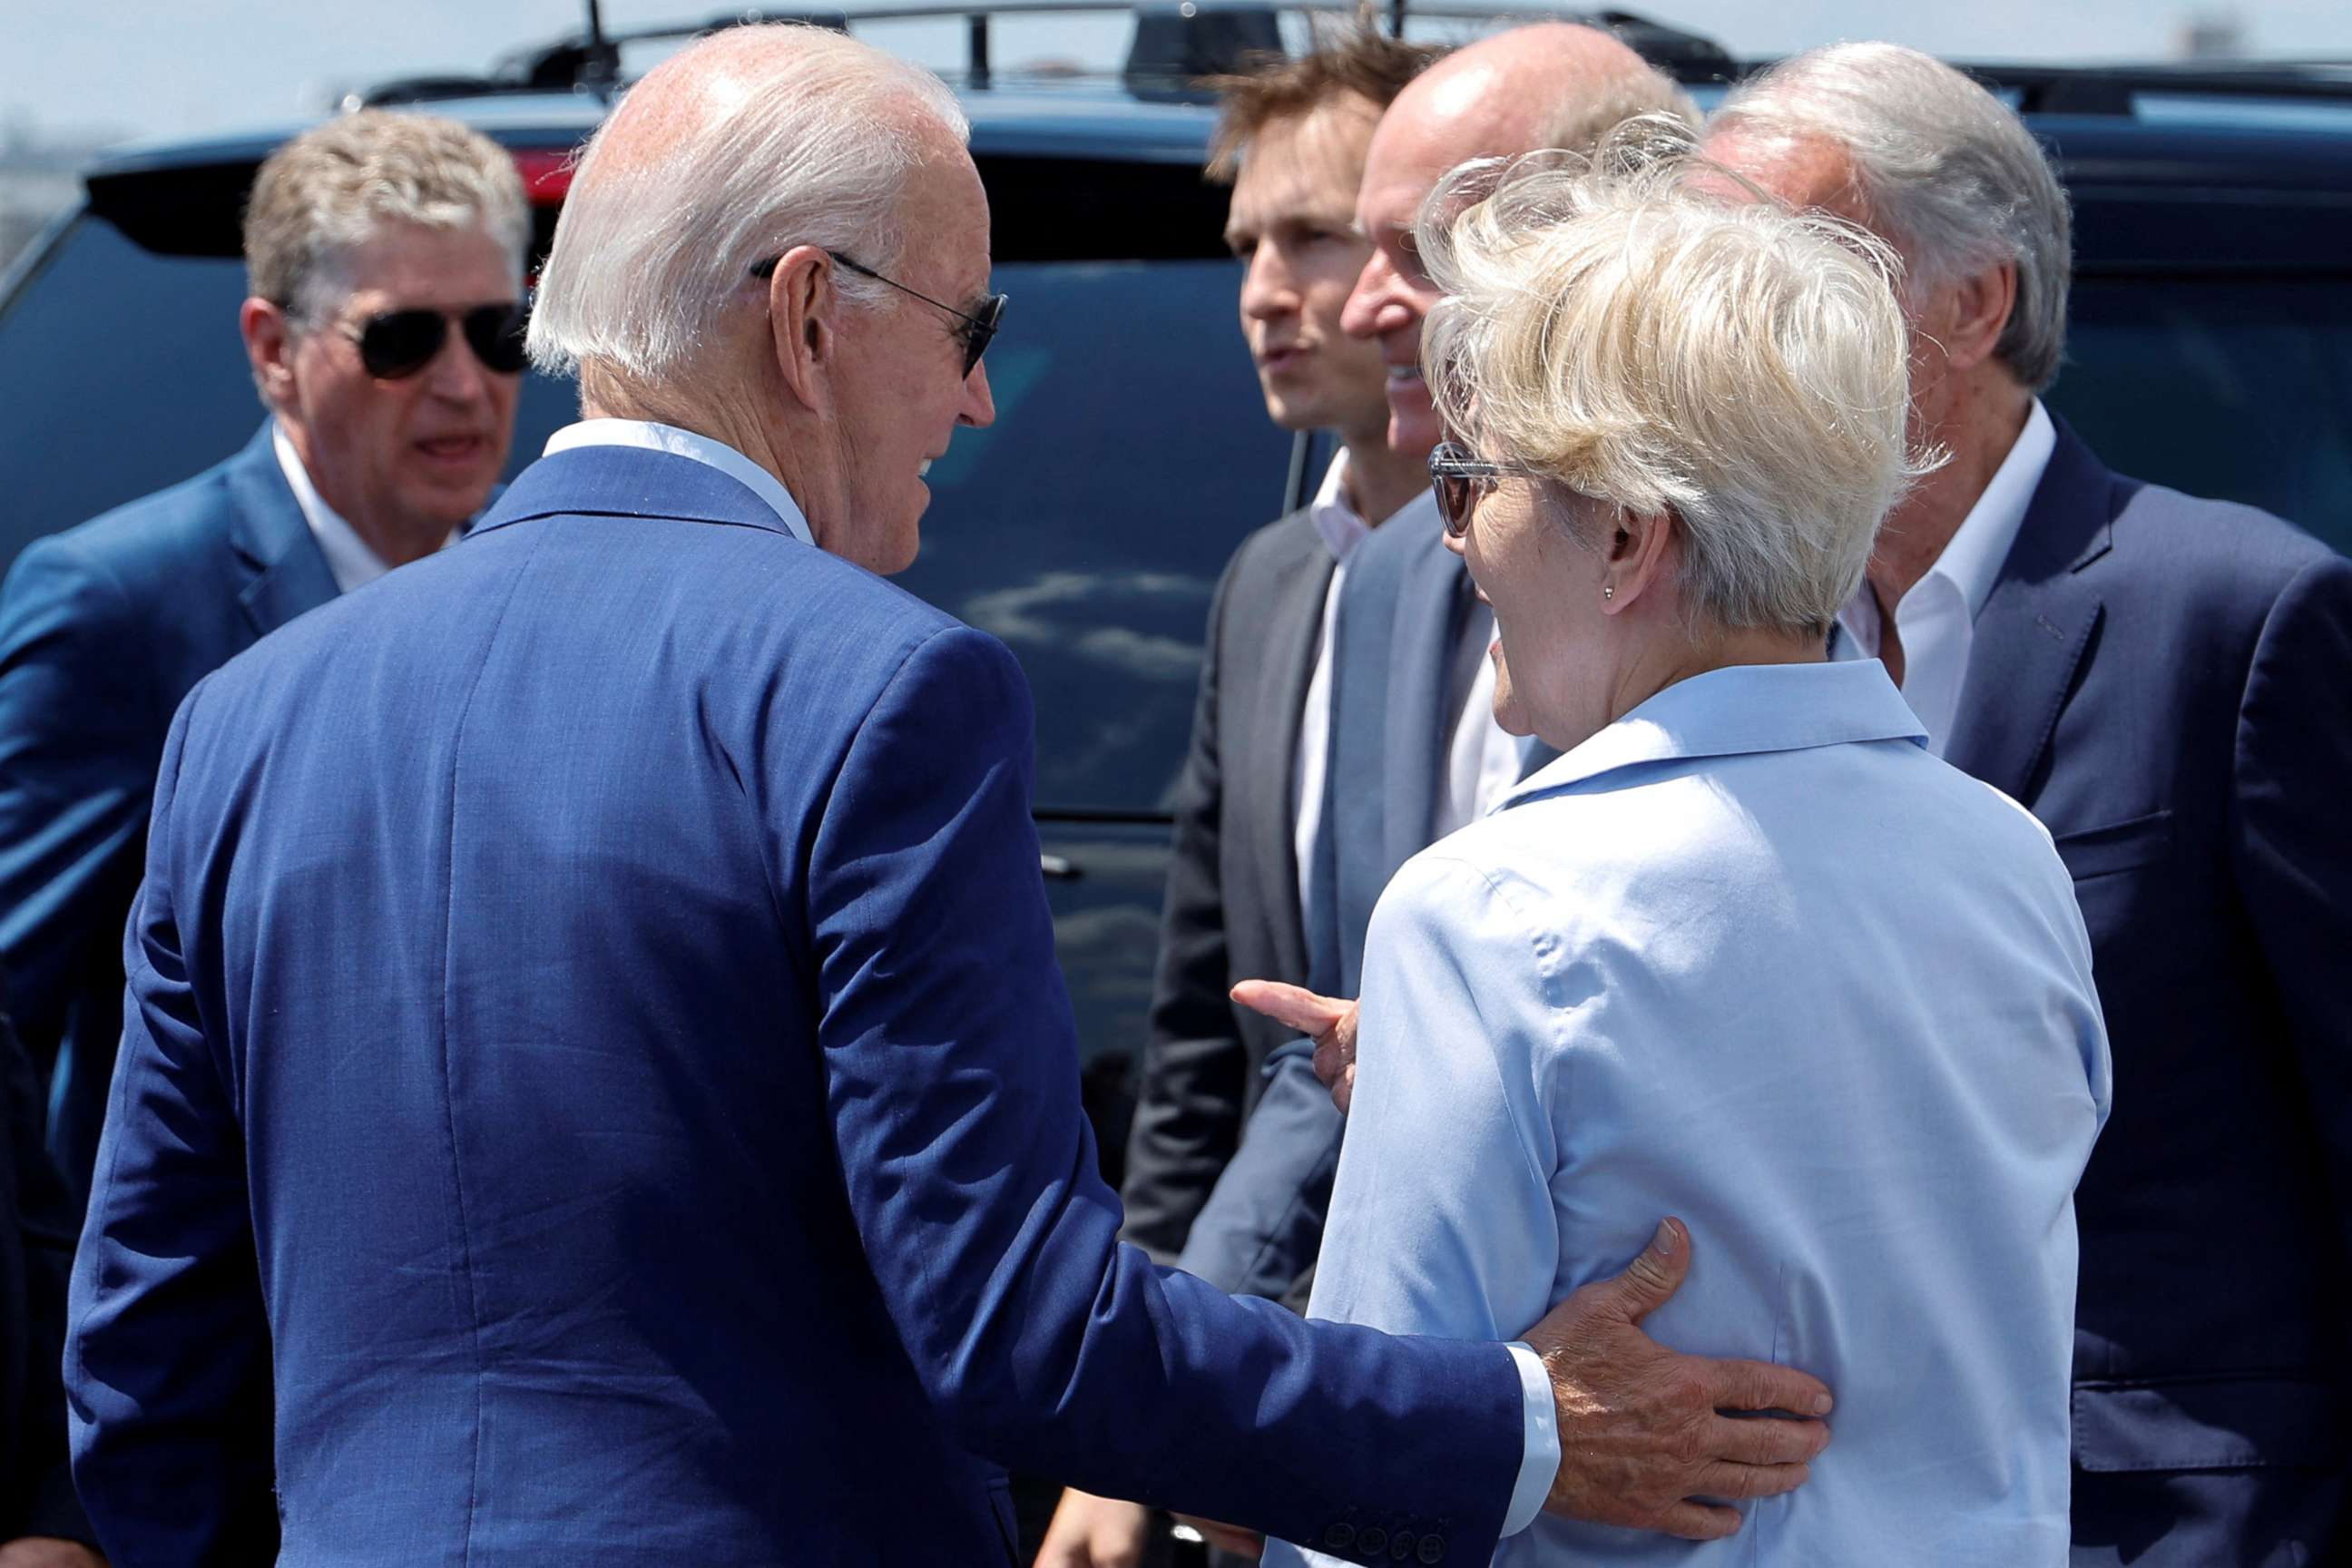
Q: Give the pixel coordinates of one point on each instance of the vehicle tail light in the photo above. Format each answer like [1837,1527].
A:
[546,175]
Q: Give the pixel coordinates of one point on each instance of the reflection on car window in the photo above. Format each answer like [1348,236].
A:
[1087,528]
[2240,388]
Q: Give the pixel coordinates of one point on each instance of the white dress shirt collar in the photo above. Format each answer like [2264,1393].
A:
[650,436]
[1342,527]
[1974,557]
[1936,618]
[349,560]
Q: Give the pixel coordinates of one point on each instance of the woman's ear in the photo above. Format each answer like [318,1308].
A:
[803,307]
[1636,554]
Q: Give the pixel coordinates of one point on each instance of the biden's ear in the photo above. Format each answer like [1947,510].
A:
[804,309]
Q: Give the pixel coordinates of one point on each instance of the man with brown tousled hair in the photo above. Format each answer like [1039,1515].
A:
[1290,140]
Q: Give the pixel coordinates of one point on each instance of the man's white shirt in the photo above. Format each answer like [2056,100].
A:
[1937,619]
[646,435]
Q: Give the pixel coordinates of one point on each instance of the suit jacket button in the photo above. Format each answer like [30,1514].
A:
[1401,1546]
[1339,1537]
[1432,1549]
[1371,1541]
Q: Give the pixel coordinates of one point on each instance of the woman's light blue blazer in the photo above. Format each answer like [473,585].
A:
[1753,957]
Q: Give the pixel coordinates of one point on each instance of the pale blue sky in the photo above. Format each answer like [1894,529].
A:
[174,67]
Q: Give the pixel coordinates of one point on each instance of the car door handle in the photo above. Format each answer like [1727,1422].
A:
[1057,869]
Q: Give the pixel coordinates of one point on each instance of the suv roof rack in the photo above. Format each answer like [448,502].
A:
[1176,42]
[2115,88]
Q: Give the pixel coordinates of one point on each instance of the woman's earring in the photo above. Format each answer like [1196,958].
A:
[1608,590]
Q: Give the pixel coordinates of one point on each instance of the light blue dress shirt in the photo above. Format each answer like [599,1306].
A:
[1754,957]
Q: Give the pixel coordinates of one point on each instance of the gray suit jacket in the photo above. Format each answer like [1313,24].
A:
[1399,626]
[1232,885]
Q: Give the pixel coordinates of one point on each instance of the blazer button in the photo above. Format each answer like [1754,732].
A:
[1339,1537]
[1371,1541]
[1401,1546]
[1432,1549]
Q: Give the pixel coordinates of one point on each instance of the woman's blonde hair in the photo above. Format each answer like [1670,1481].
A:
[1651,331]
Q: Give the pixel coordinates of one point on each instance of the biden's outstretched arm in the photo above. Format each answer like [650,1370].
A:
[952,1068]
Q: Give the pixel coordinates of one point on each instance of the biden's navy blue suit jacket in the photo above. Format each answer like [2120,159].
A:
[596,1090]
[103,629]
[2167,683]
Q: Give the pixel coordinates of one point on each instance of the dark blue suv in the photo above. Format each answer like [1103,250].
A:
[2210,349]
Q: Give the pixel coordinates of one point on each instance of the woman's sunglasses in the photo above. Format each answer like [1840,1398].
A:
[398,344]
[1460,479]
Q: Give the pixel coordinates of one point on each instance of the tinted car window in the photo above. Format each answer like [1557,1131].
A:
[2240,388]
[1130,453]
[1087,528]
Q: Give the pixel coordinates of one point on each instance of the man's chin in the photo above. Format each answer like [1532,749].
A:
[1412,421]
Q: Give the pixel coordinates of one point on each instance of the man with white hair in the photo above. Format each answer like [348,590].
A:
[596,1086]
[2167,683]
[384,265]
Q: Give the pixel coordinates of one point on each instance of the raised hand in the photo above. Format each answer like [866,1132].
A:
[1327,1021]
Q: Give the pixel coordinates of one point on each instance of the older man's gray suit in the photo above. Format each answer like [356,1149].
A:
[1233,913]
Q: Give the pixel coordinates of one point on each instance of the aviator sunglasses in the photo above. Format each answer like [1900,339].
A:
[1459,477]
[398,344]
[977,329]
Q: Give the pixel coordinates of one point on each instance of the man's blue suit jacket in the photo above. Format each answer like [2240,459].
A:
[103,629]
[597,1075]
[2167,683]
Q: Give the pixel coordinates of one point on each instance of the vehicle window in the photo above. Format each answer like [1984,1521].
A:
[1130,453]
[1086,528]
[2239,388]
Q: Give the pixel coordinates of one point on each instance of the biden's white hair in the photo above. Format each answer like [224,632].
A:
[1940,166]
[1642,329]
[804,144]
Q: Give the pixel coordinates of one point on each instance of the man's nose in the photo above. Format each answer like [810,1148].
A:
[1268,288]
[979,408]
[1360,316]
[456,373]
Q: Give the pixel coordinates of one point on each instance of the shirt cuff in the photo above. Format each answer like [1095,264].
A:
[1539,1459]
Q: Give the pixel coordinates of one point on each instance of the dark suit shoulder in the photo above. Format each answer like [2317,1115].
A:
[2210,547]
[1277,543]
[146,546]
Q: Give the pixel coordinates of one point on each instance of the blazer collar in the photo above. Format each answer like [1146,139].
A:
[289,571]
[2038,623]
[1739,710]
[1288,641]
[630,481]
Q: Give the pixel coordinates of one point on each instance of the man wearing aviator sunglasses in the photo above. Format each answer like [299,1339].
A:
[367,241]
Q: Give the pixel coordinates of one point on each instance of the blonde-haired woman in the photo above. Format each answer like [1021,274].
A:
[1747,953]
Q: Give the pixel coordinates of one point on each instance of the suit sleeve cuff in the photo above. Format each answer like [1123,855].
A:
[1539,1459]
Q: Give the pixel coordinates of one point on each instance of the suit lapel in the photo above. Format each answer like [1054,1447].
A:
[289,573]
[2037,626]
[1293,614]
[1430,606]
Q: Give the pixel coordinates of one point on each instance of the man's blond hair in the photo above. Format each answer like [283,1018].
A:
[324,194]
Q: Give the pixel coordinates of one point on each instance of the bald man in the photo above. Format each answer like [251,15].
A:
[1416,750]
[594,1086]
